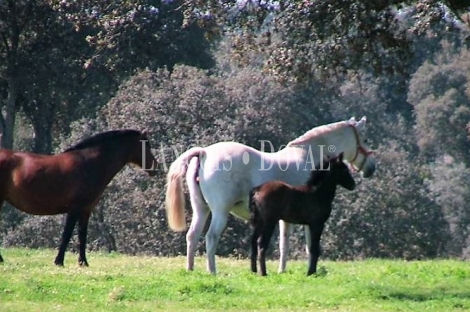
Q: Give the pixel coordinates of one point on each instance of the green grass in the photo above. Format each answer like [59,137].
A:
[30,282]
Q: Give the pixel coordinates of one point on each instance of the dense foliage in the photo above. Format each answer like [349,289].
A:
[195,73]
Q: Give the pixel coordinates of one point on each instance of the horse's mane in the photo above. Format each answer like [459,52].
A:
[318,131]
[100,137]
[317,175]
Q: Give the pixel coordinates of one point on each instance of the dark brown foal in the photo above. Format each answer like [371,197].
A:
[308,204]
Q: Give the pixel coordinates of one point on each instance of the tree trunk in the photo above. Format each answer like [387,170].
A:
[42,139]
[42,125]
[9,115]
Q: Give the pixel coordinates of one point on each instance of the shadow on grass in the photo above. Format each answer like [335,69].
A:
[421,295]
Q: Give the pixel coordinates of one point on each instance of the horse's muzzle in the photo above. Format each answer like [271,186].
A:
[368,169]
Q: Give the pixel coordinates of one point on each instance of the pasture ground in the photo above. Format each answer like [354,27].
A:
[30,282]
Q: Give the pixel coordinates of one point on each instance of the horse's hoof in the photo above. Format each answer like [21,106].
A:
[59,263]
[83,263]
[1,259]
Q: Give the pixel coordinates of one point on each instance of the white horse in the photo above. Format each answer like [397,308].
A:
[220,177]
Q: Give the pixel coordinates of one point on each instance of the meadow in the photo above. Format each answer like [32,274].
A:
[114,282]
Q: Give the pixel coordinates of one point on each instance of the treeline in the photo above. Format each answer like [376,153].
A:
[258,72]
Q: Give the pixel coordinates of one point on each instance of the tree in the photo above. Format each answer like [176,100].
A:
[448,186]
[439,93]
[43,72]
[306,40]
[13,22]
[62,59]
[138,34]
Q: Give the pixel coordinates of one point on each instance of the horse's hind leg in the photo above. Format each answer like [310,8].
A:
[70,222]
[82,237]
[263,244]
[218,223]
[200,213]
[284,232]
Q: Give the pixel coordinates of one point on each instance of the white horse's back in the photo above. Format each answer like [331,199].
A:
[229,170]
[226,175]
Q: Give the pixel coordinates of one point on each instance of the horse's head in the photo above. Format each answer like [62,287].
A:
[142,155]
[340,172]
[341,136]
[357,153]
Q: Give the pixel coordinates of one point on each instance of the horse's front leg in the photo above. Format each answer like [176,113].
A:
[70,222]
[1,205]
[308,242]
[316,230]
[82,236]
[284,232]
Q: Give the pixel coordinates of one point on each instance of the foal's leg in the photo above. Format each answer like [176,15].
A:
[1,205]
[284,232]
[316,230]
[200,214]
[82,236]
[308,241]
[70,221]
[254,246]
[218,223]
[263,244]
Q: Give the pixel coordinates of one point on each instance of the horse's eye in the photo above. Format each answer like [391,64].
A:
[366,140]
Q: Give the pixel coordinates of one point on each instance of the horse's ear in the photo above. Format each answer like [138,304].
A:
[144,132]
[340,156]
[352,119]
[361,124]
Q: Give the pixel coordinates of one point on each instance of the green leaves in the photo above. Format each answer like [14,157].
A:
[439,94]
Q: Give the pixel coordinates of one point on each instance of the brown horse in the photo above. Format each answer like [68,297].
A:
[71,182]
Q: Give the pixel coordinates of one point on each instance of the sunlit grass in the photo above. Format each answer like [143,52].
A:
[30,282]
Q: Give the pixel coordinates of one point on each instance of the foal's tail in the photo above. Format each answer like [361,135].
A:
[175,202]
[252,205]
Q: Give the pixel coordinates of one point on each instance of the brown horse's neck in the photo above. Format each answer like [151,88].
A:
[111,156]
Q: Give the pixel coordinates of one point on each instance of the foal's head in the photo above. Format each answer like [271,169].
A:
[340,173]
[333,170]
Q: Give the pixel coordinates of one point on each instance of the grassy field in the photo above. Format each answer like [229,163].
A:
[30,282]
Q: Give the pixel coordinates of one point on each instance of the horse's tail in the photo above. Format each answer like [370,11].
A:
[252,205]
[174,202]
